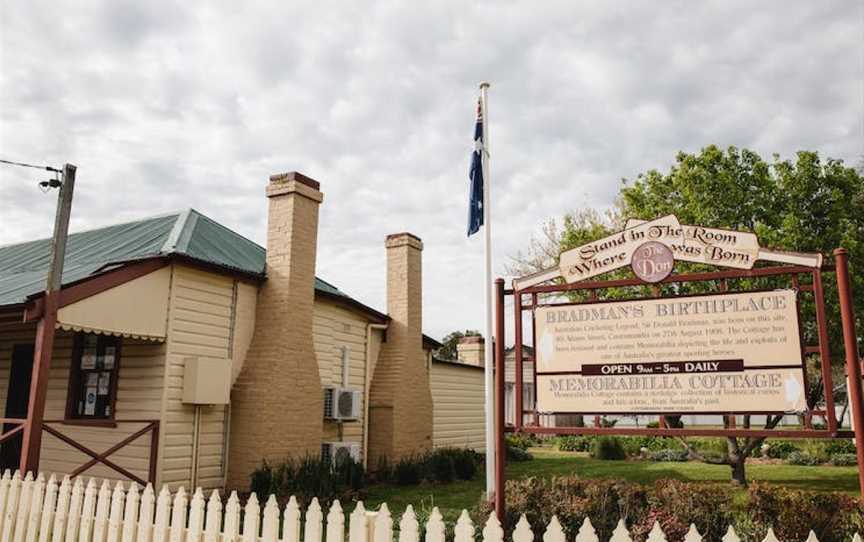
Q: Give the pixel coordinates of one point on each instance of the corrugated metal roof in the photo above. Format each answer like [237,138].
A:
[24,266]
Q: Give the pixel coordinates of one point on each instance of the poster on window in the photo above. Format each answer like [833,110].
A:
[104,383]
[88,355]
[90,402]
[108,359]
[92,379]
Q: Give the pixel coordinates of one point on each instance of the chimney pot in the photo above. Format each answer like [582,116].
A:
[295,176]
[401,239]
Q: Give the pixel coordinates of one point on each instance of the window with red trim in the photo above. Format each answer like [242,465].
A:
[93,377]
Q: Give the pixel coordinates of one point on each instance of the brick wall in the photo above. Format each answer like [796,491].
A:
[400,408]
[471,350]
[277,401]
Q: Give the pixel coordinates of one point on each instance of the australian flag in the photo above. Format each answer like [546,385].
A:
[475,201]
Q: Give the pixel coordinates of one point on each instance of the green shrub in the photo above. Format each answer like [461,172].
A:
[571,499]
[310,477]
[384,472]
[441,467]
[669,455]
[678,504]
[465,462]
[518,440]
[802,458]
[408,471]
[834,517]
[817,449]
[518,454]
[574,443]
[635,445]
[840,446]
[780,449]
[704,444]
[792,514]
[609,448]
[844,460]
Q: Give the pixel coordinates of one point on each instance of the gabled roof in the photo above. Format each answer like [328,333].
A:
[188,234]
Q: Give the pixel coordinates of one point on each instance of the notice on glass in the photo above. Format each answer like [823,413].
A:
[104,383]
[720,353]
[108,360]
[90,402]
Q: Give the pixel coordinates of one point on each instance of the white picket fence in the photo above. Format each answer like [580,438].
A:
[39,511]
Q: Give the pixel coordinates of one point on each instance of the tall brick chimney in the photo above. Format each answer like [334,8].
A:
[277,401]
[400,402]
[471,350]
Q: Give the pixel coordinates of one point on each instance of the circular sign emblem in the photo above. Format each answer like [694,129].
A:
[652,261]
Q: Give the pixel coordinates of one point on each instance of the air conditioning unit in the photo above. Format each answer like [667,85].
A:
[335,452]
[341,404]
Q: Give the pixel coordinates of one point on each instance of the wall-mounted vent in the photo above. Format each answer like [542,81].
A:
[335,452]
[341,404]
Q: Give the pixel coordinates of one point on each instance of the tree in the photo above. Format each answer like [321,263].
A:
[451,340]
[806,205]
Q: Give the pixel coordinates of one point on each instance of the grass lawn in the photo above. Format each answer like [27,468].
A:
[452,498]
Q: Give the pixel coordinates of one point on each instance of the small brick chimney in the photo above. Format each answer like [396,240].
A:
[277,401]
[470,350]
[400,402]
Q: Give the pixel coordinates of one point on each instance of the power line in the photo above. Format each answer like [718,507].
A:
[22,164]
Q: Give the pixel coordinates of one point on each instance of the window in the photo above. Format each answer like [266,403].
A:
[93,377]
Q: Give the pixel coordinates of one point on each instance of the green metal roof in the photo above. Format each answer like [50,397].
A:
[24,266]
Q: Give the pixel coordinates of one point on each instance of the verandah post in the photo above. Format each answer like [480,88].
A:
[32,437]
[853,369]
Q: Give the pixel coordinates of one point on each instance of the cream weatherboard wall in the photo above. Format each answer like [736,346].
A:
[139,394]
[212,316]
[457,405]
[337,328]
[208,317]
[200,320]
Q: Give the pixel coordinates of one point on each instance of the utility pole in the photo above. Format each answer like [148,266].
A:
[32,441]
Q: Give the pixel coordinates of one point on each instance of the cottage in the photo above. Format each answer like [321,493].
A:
[186,354]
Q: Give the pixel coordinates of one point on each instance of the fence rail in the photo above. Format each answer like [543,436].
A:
[51,511]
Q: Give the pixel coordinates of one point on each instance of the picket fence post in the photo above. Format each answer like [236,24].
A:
[621,534]
[314,516]
[383,525]
[493,532]
[232,518]
[409,529]
[213,521]
[464,528]
[11,514]
[36,501]
[49,503]
[196,517]
[36,510]
[270,532]
[291,523]
[251,519]
[693,534]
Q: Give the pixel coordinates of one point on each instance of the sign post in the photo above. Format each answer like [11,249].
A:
[720,352]
[853,369]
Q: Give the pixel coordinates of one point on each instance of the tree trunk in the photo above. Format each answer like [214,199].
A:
[739,474]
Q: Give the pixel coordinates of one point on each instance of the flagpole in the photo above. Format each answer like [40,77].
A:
[487,285]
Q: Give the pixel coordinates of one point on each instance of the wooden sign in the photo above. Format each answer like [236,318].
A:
[709,354]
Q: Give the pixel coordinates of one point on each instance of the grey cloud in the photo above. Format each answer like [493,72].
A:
[165,105]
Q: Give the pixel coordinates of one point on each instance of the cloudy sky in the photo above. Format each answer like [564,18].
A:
[170,105]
